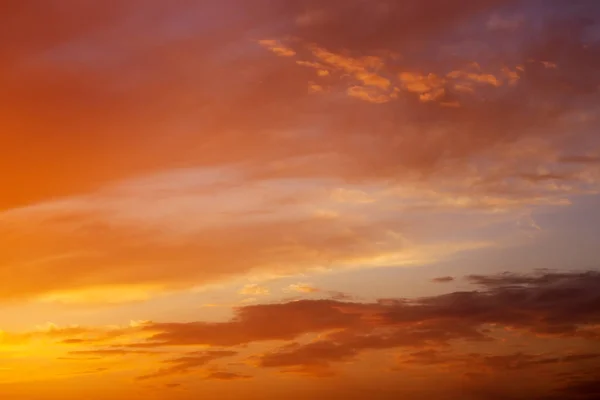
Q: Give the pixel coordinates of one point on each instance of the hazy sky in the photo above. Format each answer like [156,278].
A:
[299,199]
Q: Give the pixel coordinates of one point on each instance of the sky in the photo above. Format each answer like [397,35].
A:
[267,199]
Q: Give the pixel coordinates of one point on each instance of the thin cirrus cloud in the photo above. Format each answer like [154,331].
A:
[271,231]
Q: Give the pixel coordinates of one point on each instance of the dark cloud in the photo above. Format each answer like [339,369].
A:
[226,376]
[582,159]
[258,323]
[581,389]
[575,384]
[554,304]
[172,385]
[484,362]
[340,296]
[316,357]
[189,362]
[317,354]
[541,277]
[557,303]
[443,279]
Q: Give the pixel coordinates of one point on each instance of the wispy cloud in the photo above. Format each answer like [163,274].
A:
[253,289]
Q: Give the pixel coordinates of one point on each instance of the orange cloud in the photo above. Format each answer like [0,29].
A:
[301,288]
[277,48]
[443,279]
[253,289]
[366,94]
[189,362]
[226,376]
[512,76]
[421,84]
[475,77]
[314,88]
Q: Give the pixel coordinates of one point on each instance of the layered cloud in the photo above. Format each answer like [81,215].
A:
[253,107]
[193,361]
[494,330]
[299,109]
[187,228]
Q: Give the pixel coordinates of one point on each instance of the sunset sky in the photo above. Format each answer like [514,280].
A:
[299,199]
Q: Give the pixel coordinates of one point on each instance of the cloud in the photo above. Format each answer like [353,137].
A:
[370,85]
[582,159]
[535,305]
[366,94]
[252,289]
[71,335]
[109,352]
[347,345]
[172,385]
[255,323]
[301,288]
[384,24]
[443,279]
[493,332]
[540,277]
[314,88]
[430,84]
[277,48]
[475,77]
[189,362]
[487,363]
[268,86]
[102,295]
[335,295]
[226,376]
[580,389]
[311,357]
[319,334]
[329,225]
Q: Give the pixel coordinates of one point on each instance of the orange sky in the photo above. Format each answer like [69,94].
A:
[264,199]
